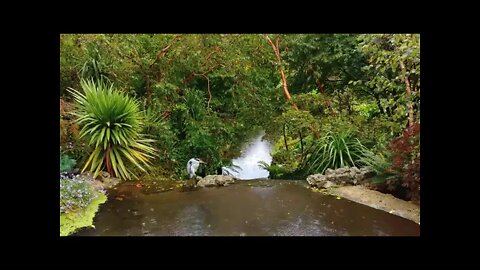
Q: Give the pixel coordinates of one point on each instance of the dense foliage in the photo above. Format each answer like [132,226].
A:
[324,100]
[66,163]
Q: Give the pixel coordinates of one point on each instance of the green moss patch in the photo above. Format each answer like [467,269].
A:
[71,222]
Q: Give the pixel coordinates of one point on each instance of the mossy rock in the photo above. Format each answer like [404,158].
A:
[71,222]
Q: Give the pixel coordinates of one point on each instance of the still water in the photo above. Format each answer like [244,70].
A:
[246,208]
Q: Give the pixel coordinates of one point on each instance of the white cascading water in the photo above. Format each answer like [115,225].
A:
[255,151]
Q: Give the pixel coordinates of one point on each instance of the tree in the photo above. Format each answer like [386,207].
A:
[276,50]
[397,58]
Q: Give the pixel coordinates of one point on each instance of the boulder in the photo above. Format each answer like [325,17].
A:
[328,184]
[355,169]
[366,172]
[359,177]
[110,182]
[344,177]
[331,177]
[329,171]
[320,181]
[216,180]
[340,176]
[315,178]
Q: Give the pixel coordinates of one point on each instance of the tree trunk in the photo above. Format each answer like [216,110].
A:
[285,136]
[379,104]
[282,75]
[284,82]
[321,86]
[411,117]
[108,162]
[389,111]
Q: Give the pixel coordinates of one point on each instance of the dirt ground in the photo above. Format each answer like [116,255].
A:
[378,200]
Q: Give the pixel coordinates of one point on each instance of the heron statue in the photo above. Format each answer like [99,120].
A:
[192,166]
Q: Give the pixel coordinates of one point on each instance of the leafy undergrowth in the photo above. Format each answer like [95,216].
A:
[72,221]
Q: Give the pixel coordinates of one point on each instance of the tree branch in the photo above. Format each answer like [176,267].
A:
[279,60]
[163,51]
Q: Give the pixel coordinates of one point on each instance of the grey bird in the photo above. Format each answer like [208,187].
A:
[192,166]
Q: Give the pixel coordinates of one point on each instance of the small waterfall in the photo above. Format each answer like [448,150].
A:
[254,151]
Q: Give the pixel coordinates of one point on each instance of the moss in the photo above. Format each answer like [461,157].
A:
[70,222]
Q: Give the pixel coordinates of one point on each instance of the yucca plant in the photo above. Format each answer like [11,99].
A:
[111,122]
[334,150]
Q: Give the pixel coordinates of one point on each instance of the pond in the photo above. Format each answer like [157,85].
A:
[246,208]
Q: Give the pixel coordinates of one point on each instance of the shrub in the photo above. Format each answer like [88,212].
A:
[400,167]
[334,150]
[277,171]
[111,122]
[70,143]
[377,162]
[66,163]
[406,161]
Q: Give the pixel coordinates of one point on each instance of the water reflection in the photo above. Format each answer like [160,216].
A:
[248,208]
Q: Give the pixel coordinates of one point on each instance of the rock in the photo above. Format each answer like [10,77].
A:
[101,175]
[320,181]
[315,178]
[367,172]
[344,177]
[355,169]
[329,171]
[328,184]
[110,182]
[98,184]
[331,177]
[340,176]
[216,180]
[358,177]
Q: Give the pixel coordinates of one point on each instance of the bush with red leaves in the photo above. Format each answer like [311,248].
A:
[406,164]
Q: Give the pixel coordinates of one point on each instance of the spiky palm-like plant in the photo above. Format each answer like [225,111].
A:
[112,123]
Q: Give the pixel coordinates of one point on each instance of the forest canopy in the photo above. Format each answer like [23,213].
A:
[324,100]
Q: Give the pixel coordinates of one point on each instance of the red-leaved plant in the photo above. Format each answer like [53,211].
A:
[406,163]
